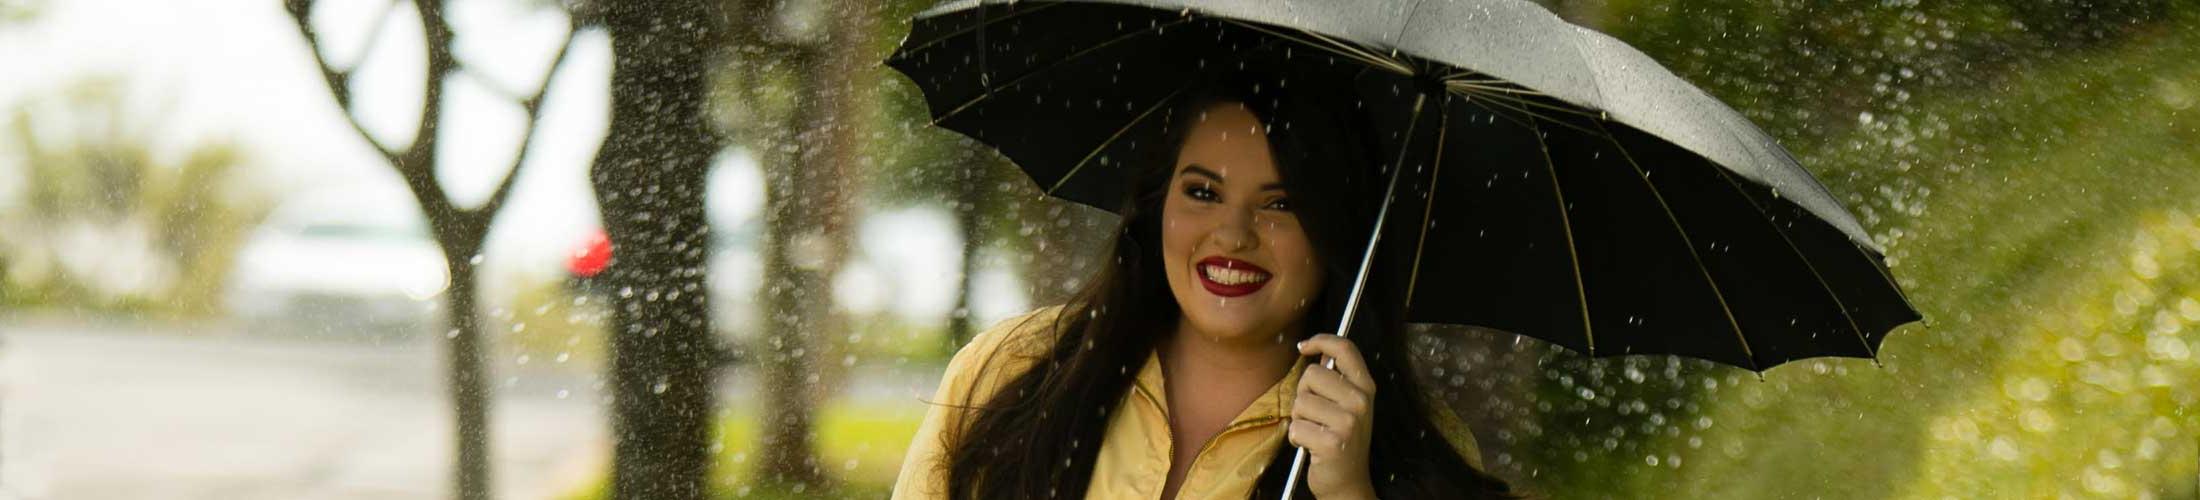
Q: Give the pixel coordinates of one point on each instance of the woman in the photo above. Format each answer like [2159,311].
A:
[1187,369]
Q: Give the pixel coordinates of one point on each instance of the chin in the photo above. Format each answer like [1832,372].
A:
[1237,325]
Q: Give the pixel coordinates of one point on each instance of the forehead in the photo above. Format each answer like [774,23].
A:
[1228,139]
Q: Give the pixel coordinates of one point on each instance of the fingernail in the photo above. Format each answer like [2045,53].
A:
[1302,345]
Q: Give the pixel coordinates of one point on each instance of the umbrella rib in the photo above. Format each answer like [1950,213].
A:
[1165,100]
[1464,73]
[1573,254]
[1524,101]
[1644,176]
[1524,106]
[1531,114]
[1502,112]
[1767,217]
[981,25]
[1370,55]
[990,89]
[1486,85]
[1521,105]
[1333,46]
[1443,125]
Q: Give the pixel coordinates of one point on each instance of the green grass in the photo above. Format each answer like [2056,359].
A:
[861,446]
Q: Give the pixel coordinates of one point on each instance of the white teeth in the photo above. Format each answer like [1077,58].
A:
[1228,276]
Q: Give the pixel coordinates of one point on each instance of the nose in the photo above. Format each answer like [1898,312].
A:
[1236,232]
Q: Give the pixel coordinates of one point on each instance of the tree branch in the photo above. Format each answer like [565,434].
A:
[339,81]
[420,157]
[374,34]
[532,103]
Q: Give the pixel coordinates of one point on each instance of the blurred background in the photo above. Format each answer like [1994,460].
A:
[590,249]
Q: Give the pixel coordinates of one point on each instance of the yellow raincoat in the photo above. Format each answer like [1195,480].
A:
[1135,453]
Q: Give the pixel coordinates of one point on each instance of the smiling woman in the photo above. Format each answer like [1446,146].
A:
[1175,374]
[1226,222]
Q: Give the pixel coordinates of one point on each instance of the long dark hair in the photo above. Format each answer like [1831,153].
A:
[1039,435]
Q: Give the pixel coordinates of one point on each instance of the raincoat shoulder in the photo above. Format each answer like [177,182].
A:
[978,370]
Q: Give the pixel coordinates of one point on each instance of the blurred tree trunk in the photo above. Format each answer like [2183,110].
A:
[459,231]
[969,199]
[1063,242]
[809,204]
[649,179]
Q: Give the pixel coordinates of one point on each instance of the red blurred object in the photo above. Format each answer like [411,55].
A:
[591,257]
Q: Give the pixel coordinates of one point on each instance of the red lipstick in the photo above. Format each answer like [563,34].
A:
[1244,278]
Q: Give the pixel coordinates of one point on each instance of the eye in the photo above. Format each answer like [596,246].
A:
[1283,204]
[1200,192]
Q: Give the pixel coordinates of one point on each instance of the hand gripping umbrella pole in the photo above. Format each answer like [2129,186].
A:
[1359,283]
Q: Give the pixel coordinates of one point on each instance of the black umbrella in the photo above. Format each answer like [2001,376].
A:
[1623,210]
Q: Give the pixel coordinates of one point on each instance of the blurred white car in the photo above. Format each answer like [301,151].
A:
[324,266]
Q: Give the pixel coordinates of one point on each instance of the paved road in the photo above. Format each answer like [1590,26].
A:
[92,415]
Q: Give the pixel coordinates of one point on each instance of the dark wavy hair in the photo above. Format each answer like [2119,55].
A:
[1039,435]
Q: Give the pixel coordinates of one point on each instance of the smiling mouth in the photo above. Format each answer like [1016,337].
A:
[1231,277]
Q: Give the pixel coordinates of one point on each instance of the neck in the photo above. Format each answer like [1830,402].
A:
[1258,360]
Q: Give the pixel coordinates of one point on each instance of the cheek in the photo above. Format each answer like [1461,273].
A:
[1179,233]
[1296,254]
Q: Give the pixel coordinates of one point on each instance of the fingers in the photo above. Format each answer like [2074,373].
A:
[1320,441]
[1348,359]
[1333,390]
[1332,408]
[1325,411]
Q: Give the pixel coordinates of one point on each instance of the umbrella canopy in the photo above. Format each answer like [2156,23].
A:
[1563,185]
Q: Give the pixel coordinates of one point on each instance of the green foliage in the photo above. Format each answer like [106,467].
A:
[550,323]
[1805,69]
[108,221]
[2045,224]
[19,11]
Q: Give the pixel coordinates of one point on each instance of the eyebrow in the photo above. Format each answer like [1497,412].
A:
[1210,174]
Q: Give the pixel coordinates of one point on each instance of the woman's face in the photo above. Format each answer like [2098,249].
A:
[1238,262]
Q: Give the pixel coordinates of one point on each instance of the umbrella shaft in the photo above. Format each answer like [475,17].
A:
[1359,283]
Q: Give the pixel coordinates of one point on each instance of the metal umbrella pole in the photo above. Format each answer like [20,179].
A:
[1359,283]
